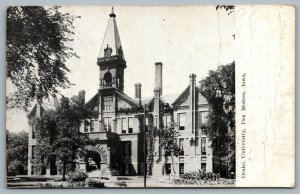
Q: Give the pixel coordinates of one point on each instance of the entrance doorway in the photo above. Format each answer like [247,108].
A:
[93,161]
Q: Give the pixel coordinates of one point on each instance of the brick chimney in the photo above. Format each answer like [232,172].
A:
[193,100]
[193,79]
[81,95]
[158,77]
[138,93]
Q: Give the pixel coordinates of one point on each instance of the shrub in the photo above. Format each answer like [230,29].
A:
[90,182]
[50,185]
[199,177]
[77,176]
[79,184]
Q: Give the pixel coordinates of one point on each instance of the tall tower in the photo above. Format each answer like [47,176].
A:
[111,57]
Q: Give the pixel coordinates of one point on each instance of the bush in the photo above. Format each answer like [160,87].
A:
[90,182]
[79,184]
[199,177]
[77,176]
[51,185]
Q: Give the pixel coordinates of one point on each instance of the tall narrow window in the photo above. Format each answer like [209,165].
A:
[181,140]
[204,117]
[86,126]
[33,152]
[181,119]
[181,168]
[203,145]
[130,125]
[123,125]
[202,120]
[107,124]
[156,122]
[203,167]
[168,120]
[168,168]
[107,103]
[146,123]
[126,149]
[92,125]
[32,170]
[33,131]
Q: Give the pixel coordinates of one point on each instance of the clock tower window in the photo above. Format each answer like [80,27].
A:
[108,79]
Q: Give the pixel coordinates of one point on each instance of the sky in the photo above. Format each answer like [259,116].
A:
[186,39]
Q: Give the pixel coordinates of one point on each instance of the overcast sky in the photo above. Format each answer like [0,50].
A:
[186,39]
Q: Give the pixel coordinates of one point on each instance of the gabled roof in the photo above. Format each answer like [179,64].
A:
[201,98]
[45,106]
[32,112]
[95,99]
[185,91]
[165,99]
[169,98]
[126,98]
[145,100]
[112,38]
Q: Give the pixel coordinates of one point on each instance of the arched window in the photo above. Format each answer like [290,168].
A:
[108,78]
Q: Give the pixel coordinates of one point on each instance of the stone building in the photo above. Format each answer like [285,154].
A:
[121,120]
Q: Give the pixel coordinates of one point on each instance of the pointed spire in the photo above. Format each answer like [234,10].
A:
[111,44]
[112,14]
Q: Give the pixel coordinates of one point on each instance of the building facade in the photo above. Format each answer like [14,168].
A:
[121,121]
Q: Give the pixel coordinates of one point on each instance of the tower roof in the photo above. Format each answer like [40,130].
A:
[111,44]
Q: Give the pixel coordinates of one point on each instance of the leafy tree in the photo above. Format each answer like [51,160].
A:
[59,135]
[37,52]
[167,136]
[151,132]
[45,135]
[219,89]
[70,142]
[227,8]
[16,153]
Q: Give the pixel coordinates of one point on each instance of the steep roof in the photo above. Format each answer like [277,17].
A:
[126,97]
[112,38]
[95,99]
[201,99]
[45,106]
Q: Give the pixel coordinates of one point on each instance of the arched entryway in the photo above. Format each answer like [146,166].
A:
[93,161]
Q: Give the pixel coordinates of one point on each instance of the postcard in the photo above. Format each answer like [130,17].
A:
[184,96]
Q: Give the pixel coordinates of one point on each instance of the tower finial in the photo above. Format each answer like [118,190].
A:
[112,14]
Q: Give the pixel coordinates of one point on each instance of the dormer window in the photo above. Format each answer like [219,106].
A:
[107,51]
